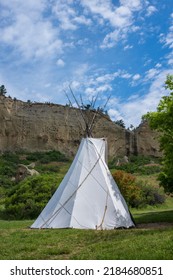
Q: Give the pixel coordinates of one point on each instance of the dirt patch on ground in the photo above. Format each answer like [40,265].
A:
[154,225]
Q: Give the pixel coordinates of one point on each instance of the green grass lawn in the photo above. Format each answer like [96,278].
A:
[19,242]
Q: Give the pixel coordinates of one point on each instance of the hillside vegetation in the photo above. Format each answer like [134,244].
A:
[24,199]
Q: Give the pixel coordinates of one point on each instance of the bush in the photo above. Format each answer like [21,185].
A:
[166,180]
[127,185]
[129,168]
[7,165]
[47,157]
[138,164]
[2,196]
[10,157]
[27,199]
[7,170]
[150,169]
[48,168]
[151,195]
[6,183]
[138,193]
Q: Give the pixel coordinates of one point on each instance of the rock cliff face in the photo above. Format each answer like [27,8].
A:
[40,127]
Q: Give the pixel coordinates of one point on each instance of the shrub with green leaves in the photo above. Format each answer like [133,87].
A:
[46,157]
[2,197]
[152,195]
[138,193]
[128,187]
[138,164]
[149,170]
[7,166]
[48,168]
[27,199]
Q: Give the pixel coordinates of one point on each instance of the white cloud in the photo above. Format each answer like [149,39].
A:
[113,101]
[108,77]
[82,20]
[111,39]
[26,22]
[104,82]
[170,59]
[93,91]
[89,82]
[60,62]
[81,71]
[151,10]
[14,7]
[136,106]
[151,73]
[69,17]
[90,91]
[133,97]
[158,65]
[135,28]
[103,88]
[147,61]
[64,13]
[103,8]
[169,38]
[120,18]
[136,77]
[127,47]
[27,31]
[126,76]
[167,41]
[115,114]
[135,5]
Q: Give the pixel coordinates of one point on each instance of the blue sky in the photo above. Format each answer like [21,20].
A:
[123,48]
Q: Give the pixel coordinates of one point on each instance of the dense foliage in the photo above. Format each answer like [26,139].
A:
[162,121]
[137,193]
[127,185]
[27,199]
[45,157]
[144,165]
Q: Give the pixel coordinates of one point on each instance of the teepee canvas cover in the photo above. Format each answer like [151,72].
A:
[88,197]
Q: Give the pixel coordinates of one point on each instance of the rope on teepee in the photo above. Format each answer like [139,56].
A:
[104,214]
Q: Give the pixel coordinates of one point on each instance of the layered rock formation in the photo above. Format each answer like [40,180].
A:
[33,127]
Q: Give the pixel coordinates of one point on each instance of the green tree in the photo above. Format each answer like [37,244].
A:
[162,121]
[3,90]
[120,123]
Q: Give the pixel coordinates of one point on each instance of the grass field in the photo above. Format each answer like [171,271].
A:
[146,241]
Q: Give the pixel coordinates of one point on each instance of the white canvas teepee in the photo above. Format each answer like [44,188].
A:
[88,197]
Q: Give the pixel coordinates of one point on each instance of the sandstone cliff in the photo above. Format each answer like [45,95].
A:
[41,127]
